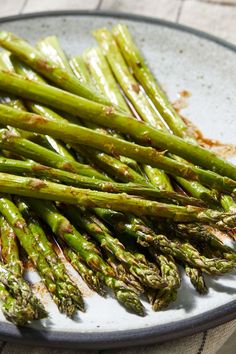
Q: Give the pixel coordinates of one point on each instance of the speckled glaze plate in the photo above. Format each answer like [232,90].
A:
[182,59]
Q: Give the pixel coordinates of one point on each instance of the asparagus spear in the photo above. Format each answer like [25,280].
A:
[22,293]
[84,76]
[122,273]
[98,66]
[196,277]
[124,294]
[9,248]
[113,166]
[67,287]
[71,132]
[100,232]
[87,274]
[143,74]
[132,90]
[34,106]
[105,80]
[6,64]
[203,234]
[76,64]
[51,48]
[107,85]
[35,188]
[127,82]
[33,169]
[31,56]
[145,236]
[162,298]
[98,114]
[10,308]
[27,241]
[190,255]
[80,67]
[13,142]
[62,228]
[141,71]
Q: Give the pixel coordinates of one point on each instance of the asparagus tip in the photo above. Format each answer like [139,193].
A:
[131,301]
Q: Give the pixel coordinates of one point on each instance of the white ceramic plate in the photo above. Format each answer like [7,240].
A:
[182,59]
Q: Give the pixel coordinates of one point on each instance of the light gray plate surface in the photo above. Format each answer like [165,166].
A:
[181,59]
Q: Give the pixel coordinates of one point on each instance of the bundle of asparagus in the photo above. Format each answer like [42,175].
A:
[115,148]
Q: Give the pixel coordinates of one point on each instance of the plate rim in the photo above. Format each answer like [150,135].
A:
[134,337]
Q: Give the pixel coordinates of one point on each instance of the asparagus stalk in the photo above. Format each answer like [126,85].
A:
[143,74]
[27,241]
[162,298]
[141,71]
[146,237]
[51,48]
[12,310]
[124,294]
[100,232]
[129,86]
[85,77]
[6,64]
[189,254]
[32,57]
[98,66]
[108,87]
[98,114]
[123,274]
[13,142]
[76,64]
[33,169]
[63,229]
[113,166]
[202,234]
[71,132]
[9,248]
[35,188]
[88,275]
[63,280]
[196,277]
[169,269]
[22,293]
[106,82]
